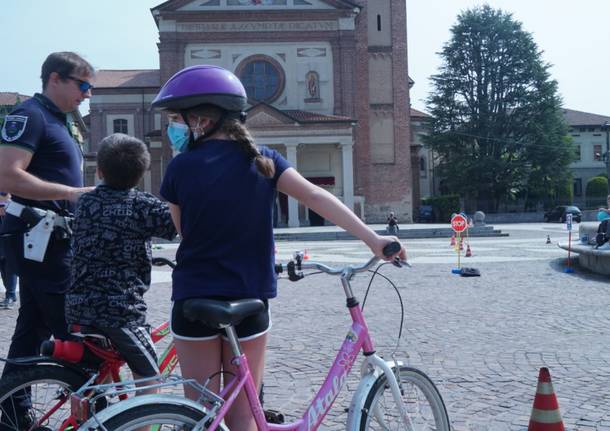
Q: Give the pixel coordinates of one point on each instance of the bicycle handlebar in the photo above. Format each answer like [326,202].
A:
[298,264]
[161,261]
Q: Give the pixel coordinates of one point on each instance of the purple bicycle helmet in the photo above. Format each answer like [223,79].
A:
[202,84]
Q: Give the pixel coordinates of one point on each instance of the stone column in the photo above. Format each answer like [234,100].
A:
[348,173]
[293,204]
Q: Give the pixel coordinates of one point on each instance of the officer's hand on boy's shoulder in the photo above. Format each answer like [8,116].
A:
[77,192]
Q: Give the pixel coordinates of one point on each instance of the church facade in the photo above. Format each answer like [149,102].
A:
[327,84]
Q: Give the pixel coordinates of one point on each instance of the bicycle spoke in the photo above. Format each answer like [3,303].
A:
[40,404]
[419,402]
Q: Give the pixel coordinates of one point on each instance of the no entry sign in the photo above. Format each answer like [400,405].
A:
[459,223]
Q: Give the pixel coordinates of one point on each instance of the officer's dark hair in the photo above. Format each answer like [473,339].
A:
[65,64]
[122,160]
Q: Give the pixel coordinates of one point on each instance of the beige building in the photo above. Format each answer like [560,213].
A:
[590,137]
[424,179]
[327,85]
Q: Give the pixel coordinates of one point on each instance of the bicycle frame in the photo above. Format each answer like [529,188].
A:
[168,359]
[357,339]
[110,368]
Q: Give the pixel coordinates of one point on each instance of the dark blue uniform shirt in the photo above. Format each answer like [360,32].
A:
[226,222]
[38,126]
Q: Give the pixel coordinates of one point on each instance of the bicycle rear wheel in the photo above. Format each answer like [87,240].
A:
[30,393]
[160,417]
[421,399]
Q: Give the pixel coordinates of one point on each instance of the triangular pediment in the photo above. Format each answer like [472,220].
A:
[266,115]
[253,5]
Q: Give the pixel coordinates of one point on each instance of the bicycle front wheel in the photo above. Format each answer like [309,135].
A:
[37,394]
[156,416]
[420,398]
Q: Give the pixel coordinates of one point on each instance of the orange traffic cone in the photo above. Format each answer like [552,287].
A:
[461,244]
[468,252]
[548,239]
[305,254]
[452,240]
[545,413]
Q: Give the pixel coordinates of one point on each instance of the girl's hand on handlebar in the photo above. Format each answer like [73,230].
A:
[382,241]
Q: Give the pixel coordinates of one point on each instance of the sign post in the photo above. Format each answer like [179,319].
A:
[459,225]
[569,227]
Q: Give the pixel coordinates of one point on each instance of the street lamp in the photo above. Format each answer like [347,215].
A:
[606,128]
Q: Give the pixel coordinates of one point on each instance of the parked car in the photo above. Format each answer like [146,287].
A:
[559,214]
[426,214]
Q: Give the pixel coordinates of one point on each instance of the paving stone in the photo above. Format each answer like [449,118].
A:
[482,340]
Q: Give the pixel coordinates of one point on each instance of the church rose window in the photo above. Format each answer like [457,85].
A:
[262,77]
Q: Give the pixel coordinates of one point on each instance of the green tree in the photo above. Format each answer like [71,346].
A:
[596,191]
[497,122]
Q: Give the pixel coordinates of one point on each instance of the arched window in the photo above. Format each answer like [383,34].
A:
[119,125]
[423,169]
[262,77]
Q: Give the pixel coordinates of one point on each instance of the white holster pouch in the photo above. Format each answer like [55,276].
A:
[36,240]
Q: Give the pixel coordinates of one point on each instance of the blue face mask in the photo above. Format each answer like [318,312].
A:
[178,135]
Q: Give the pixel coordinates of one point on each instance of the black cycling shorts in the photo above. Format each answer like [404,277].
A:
[249,328]
[136,347]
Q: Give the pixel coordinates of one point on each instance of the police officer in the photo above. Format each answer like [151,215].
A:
[41,166]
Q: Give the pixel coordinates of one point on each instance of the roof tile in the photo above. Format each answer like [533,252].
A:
[579,118]
[127,78]
[10,98]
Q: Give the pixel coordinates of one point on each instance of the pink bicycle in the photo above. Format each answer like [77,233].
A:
[390,395]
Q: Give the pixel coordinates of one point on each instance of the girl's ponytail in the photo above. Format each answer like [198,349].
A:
[238,132]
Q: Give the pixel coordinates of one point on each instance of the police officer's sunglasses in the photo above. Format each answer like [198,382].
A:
[83,86]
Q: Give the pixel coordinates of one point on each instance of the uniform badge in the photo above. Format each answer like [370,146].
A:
[13,128]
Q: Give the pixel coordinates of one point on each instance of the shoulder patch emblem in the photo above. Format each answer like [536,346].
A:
[13,128]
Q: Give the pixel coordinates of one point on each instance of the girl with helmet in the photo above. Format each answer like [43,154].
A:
[221,181]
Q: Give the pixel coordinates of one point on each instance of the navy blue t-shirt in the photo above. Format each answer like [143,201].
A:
[226,221]
[38,126]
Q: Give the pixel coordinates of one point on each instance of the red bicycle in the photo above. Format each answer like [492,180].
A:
[36,396]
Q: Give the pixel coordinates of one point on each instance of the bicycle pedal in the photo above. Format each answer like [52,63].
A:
[274,417]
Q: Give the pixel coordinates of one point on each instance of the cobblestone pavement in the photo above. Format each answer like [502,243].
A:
[482,340]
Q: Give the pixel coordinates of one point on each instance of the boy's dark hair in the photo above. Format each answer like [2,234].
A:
[65,64]
[122,160]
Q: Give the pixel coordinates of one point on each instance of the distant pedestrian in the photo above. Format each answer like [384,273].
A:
[603,230]
[392,227]
[9,278]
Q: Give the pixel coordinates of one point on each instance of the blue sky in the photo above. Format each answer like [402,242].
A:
[115,34]
[110,34]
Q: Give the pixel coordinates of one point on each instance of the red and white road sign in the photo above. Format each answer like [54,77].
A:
[459,223]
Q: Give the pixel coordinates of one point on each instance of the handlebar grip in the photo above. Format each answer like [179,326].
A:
[391,248]
[47,347]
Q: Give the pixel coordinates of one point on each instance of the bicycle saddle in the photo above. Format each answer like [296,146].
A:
[219,314]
